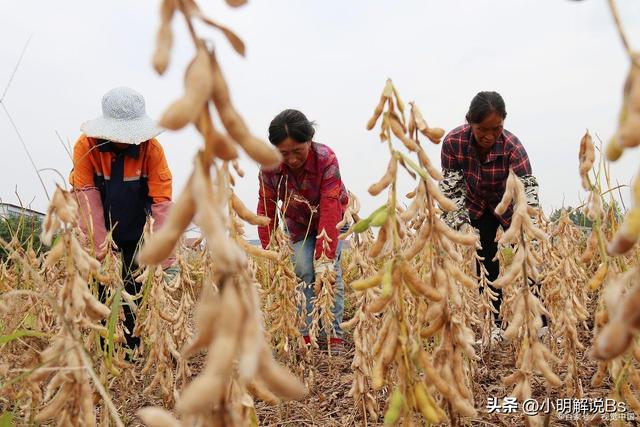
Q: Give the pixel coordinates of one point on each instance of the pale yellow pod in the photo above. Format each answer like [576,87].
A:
[434,134]
[461,277]
[424,405]
[154,416]
[512,378]
[206,320]
[586,157]
[433,327]
[378,304]
[162,243]
[55,254]
[549,375]
[598,278]
[590,250]
[426,162]
[369,282]
[94,308]
[399,132]
[162,52]
[455,236]
[198,86]
[381,336]
[386,179]
[216,143]
[376,114]
[258,389]
[433,377]
[512,235]
[413,278]
[445,203]
[418,202]
[376,248]
[236,3]
[507,197]
[246,214]
[613,150]
[54,406]
[197,396]
[349,324]
[517,320]
[464,408]
[419,242]
[628,134]
[390,345]
[279,380]
[56,382]
[235,125]
[419,119]
[179,114]
[612,340]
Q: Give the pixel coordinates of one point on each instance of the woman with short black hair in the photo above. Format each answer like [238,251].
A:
[308,183]
[476,158]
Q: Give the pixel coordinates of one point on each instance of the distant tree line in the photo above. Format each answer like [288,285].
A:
[26,229]
[579,217]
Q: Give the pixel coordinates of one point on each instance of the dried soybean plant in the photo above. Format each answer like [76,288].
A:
[365,325]
[565,296]
[284,305]
[405,283]
[617,322]
[487,296]
[65,366]
[527,310]
[229,323]
[324,290]
[156,315]
[281,294]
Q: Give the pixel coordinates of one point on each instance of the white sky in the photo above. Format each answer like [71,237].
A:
[558,64]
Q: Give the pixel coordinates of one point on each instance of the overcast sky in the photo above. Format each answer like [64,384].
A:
[558,64]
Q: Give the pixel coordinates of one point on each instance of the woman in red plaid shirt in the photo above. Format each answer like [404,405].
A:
[476,158]
[314,199]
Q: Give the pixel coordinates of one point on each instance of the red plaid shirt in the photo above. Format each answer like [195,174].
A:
[314,200]
[485,182]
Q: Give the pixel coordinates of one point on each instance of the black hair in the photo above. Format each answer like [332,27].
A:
[485,103]
[291,124]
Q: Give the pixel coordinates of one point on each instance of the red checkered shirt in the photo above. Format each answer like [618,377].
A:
[312,201]
[485,181]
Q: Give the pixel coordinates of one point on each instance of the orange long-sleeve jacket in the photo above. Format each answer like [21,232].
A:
[122,187]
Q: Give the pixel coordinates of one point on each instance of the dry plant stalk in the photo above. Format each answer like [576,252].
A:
[564,293]
[69,394]
[324,299]
[284,305]
[527,310]
[406,288]
[281,294]
[156,316]
[365,325]
[229,321]
[229,326]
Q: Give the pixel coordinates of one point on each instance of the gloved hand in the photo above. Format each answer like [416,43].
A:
[170,273]
[322,266]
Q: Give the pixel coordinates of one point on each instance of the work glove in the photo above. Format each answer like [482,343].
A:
[170,273]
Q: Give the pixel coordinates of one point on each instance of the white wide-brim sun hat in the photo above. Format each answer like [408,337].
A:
[124,119]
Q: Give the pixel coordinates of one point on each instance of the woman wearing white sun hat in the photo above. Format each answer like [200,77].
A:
[120,176]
